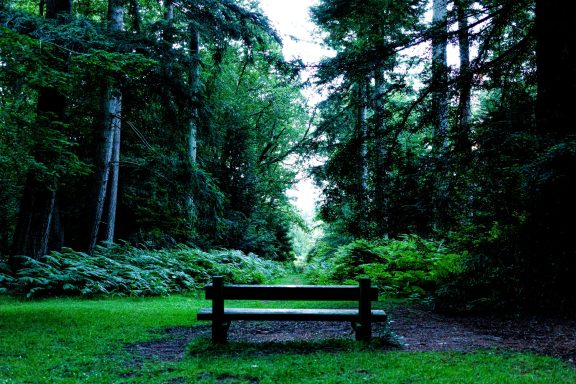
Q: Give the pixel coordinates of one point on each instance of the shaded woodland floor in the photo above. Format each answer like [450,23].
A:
[416,328]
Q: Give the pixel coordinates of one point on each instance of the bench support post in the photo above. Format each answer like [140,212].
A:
[364,326]
[219,326]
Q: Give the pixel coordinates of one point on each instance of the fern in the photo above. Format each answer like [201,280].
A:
[410,266]
[124,270]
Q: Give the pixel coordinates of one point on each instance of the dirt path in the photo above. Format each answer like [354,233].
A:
[416,328]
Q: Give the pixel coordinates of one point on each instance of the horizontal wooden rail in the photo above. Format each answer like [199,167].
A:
[292,292]
[274,314]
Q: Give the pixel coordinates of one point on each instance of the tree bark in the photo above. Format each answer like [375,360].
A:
[114,172]
[362,136]
[110,131]
[115,16]
[195,94]
[462,136]
[135,16]
[556,71]
[169,18]
[380,174]
[103,173]
[440,77]
[548,242]
[193,117]
[34,221]
[440,141]
[37,207]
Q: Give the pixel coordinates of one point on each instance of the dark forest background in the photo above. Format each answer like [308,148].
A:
[160,125]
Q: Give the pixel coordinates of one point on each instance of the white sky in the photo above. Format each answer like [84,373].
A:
[291,19]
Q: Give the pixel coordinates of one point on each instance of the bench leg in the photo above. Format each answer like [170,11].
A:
[363,331]
[220,332]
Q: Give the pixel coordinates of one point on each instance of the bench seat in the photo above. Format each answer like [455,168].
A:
[275,314]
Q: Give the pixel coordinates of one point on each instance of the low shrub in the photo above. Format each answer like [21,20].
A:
[125,270]
[410,266]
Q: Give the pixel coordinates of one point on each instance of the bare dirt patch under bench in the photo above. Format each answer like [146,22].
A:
[418,329]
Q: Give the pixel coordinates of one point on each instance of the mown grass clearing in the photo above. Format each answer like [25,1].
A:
[70,341]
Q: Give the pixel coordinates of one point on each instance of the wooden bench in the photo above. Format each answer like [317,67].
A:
[361,318]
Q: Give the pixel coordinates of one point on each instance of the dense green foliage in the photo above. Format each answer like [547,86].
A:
[407,267]
[244,103]
[125,270]
[494,186]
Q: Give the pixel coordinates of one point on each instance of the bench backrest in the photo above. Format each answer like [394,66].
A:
[293,292]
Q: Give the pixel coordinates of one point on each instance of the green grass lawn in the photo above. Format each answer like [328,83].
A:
[84,341]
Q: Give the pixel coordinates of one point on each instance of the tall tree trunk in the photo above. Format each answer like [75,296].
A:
[440,77]
[103,173]
[114,173]
[110,131]
[195,94]
[34,221]
[135,16]
[362,137]
[548,240]
[380,173]
[169,18]
[115,16]
[168,33]
[556,71]
[440,143]
[193,117]
[462,136]
[37,208]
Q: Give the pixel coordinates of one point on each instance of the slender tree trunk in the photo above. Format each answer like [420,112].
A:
[110,132]
[167,33]
[57,234]
[363,171]
[37,208]
[103,173]
[195,94]
[440,142]
[440,77]
[193,117]
[135,16]
[464,79]
[34,221]
[556,69]
[114,173]
[363,136]
[548,241]
[115,16]
[380,197]
[115,25]
[169,18]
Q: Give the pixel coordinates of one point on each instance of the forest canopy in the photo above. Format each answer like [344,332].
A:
[206,106]
[162,123]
